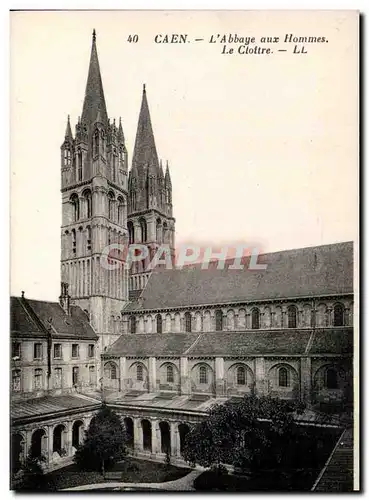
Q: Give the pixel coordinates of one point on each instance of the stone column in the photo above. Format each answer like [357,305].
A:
[28,444]
[137,434]
[305,380]
[178,442]
[49,456]
[122,373]
[173,438]
[69,443]
[152,374]
[219,378]
[184,376]
[155,436]
[260,382]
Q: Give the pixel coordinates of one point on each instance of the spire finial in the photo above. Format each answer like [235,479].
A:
[144,87]
[94,36]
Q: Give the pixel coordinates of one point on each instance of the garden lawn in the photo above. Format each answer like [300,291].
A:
[132,471]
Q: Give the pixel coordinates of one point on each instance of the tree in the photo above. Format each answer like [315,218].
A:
[104,443]
[249,433]
[31,474]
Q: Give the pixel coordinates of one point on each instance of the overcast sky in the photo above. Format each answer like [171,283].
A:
[262,149]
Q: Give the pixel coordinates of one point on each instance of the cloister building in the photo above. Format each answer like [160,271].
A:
[162,346]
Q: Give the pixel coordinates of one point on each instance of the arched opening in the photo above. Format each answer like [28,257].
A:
[88,203]
[283,377]
[77,433]
[255,319]
[159,323]
[165,233]
[38,443]
[143,227]
[292,316]
[75,205]
[146,434]
[17,452]
[170,374]
[203,375]
[183,430]
[338,315]
[111,200]
[158,231]
[165,437]
[120,211]
[132,321]
[58,439]
[128,422]
[218,320]
[188,322]
[331,378]
[131,232]
[139,373]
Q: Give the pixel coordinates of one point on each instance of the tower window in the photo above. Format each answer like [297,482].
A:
[88,238]
[159,324]
[111,205]
[120,211]
[188,322]
[75,204]
[96,143]
[283,377]
[170,374]
[255,319]
[139,373]
[203,375]
[292,317]
[241,375]
[143,227]
[338,315]
[218,320]
[74,240]
[133,324]
[67,156]
[131,233]
[80,165]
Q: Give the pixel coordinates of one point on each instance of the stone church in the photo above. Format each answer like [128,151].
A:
[162,346]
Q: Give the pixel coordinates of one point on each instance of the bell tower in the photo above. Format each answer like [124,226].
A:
[94,210]
[150,210]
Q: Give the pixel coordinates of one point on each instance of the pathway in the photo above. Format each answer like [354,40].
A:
[183,484]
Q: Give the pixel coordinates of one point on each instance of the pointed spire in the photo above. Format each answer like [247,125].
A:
[120,132]
[145,150]
[94,96]
[68,130]
[168,181]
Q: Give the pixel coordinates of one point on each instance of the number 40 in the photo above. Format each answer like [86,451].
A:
[132,39]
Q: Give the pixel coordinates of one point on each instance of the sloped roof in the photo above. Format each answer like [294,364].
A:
[304,272]
[247,343]
[31,318]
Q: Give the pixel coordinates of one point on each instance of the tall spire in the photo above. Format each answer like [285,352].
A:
[144,152]
[168,181]
[94,96]
[68,130]
[120,132]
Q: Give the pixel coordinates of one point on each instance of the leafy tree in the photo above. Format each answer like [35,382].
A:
[249,433]
[104,443]
[31,474]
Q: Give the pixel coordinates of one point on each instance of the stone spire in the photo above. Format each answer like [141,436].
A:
[144,153]
[68,130]
[168,181]
[120,132]
[94,101]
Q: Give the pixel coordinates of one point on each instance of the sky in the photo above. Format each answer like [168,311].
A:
[263,149]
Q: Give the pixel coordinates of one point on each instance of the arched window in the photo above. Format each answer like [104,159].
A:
[88,237]
[292,316]
[203,375]
[75,203]
[165,233]
[120,210]
[188,322]
[80,165]
[111,205]
[131,233]
[67,156]
[241,375]
[143,227]
[113,165]
[158,231]
[338,315]
[133,324]
[218,320]
[113,371]
[255,319]
[331,381]
[170,374]
[283,377]
[159,324]
[96,143]
[139,372]
[88,202]
[16,380]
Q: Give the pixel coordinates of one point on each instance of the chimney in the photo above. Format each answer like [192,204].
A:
[22,294]
[64,299]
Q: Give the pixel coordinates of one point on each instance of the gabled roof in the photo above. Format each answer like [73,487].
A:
[303,272]
[235,344]
[31,318]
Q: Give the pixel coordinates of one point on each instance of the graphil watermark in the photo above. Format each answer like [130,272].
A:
[230,257]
